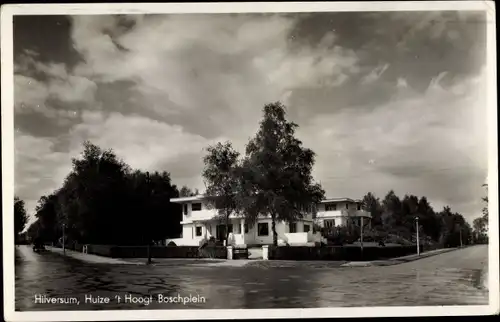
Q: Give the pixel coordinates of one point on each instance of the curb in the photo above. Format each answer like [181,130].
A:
[87,258]
[397,261]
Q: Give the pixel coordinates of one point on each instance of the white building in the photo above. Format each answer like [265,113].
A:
[336,212]
[200,222]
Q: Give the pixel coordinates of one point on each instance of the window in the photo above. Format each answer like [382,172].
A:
[196,207]
[246,228]
[185,209]
[330,223]
[230,228]
[198,231]
[263,229]
[359,206]
[346,206]
[306,228]
[330,207]
[293,227]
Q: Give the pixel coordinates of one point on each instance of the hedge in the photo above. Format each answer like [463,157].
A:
[349,253]
[156,251]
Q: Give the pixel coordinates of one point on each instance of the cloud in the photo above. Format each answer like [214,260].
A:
[39,169]
[39,87]
[432,144]
[375,74]
[226,65]
[382,109]
[143,143]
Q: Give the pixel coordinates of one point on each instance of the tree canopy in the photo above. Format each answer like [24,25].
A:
[20,216]
[104,201]
[398,216]
[221,176]
[276,172]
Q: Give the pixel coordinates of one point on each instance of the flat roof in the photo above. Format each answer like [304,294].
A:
[186,199]
[201,197]
[339,200]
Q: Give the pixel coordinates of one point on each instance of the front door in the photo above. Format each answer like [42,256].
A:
[221,232]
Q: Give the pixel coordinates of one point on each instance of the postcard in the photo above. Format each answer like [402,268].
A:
[249,160]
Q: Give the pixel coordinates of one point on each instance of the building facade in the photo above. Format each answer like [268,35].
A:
[336,212]
[201,222]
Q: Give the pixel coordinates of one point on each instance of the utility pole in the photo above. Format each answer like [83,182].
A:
[461,237]
[418,239]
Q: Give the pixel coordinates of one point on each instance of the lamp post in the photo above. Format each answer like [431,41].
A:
[418,239]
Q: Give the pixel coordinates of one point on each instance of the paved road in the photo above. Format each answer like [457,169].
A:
[453,278]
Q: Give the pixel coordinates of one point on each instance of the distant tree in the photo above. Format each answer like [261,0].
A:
[454,227]
[276,172]
[221,174]
[431,224]
[187,192]
[480,230]
[20,216]
[34,230]
[392,214]
[372,205]
[485,209]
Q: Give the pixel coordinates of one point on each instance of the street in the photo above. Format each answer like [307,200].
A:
[452,278]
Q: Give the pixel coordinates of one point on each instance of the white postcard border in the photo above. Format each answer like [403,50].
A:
[7,13]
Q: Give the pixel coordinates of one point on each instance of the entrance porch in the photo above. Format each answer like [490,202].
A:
[239,232]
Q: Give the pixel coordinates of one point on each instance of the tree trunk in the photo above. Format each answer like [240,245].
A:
[273,227]
[227,229]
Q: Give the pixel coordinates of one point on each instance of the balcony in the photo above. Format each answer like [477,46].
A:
[360,213]
[201,215]
[332,213]
[343,213]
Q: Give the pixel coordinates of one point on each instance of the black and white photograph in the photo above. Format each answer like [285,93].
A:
[287,159]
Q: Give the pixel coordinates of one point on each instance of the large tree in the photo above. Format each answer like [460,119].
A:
[276,172]
[20,216]
[47,215]
[102,201]
[221,175]
[94,195]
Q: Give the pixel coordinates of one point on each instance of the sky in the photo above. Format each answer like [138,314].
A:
[387,100]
